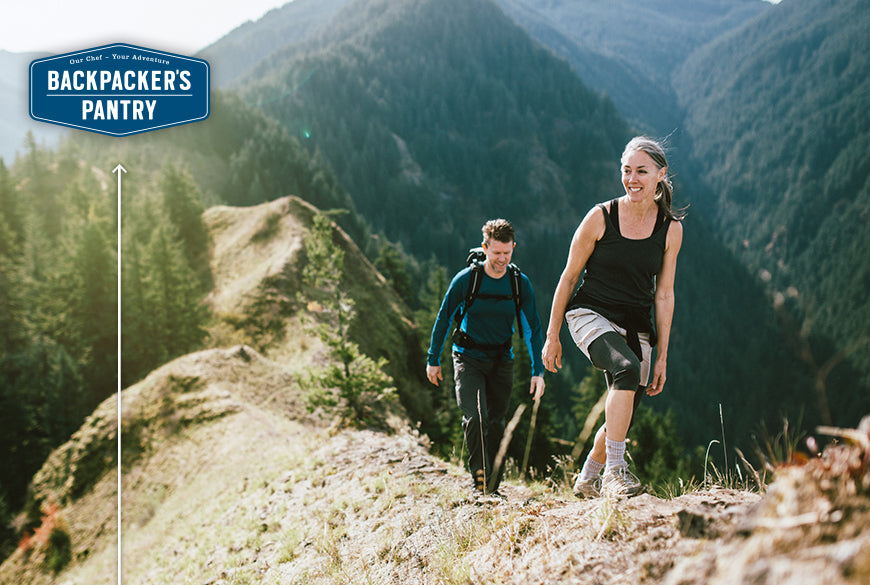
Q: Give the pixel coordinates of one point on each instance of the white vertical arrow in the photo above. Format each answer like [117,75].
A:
[120,170]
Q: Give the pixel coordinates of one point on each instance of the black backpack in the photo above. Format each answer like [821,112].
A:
[476,257]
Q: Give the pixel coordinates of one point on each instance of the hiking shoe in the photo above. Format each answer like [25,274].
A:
[495,496]
[587,488]
[620,482]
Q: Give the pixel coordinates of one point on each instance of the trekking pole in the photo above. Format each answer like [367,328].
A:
[505,441]
[529,439]
[482,442]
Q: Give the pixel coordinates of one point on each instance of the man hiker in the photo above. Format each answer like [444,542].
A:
[485,298]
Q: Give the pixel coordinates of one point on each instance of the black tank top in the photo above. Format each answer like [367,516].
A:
[619,280]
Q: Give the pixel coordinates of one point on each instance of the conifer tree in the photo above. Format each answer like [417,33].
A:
[172,299]
[42,191]
[93,307]
[394,268]
[354,384]
[181,200]
[11,334]
[40,406]
[11,215]
[134,316]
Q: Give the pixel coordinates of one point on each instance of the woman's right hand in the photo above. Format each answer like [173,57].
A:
[552,354]
[590,230]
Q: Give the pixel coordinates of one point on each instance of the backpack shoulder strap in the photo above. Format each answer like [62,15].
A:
[474,280]
[516,291]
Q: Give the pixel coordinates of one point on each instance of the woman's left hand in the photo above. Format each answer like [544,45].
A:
[659,377]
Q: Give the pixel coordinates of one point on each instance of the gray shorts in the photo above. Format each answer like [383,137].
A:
[586,325]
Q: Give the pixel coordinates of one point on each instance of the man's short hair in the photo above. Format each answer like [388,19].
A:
[498,229]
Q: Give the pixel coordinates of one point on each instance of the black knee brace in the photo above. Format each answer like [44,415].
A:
[610,352]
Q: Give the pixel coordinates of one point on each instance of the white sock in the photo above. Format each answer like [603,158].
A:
[591,469]
[615,452]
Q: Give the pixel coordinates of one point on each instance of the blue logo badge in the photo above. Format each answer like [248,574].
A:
[119,90]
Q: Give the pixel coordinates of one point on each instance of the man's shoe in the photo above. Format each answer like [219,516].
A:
[496,496]
[587,488]
[620,482]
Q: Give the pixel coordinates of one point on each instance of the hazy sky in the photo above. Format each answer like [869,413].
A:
[175,26]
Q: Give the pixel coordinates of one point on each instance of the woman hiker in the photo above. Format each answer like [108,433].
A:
[628,248]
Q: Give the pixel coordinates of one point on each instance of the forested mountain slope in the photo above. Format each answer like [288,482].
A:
[58,309]
[601,41]
[235,53]
[629,49]
[427,110]
[779,126]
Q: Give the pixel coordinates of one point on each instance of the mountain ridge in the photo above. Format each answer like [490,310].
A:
[257,256]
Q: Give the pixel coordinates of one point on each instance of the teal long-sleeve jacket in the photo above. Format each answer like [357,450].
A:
[490,321]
